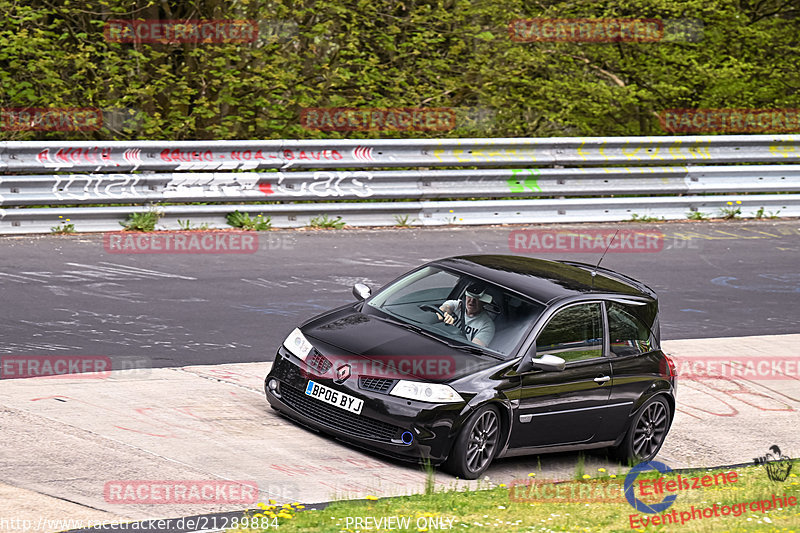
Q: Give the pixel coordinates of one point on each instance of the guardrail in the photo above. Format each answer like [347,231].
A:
[273,176]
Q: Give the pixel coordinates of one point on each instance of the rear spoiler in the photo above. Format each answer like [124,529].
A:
[612,274]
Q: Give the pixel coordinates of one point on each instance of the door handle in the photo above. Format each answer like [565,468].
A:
[602,379]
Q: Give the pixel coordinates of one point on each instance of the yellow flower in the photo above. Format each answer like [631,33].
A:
[261,505]
[738,201]
[531,475]
[587,476]
[613,475]
[373,498]
[67,220]
[601,469]
[272,501]
[300,506]
[730,203]
[502,485]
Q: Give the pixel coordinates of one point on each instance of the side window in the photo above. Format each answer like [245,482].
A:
[628,336]
[574,334]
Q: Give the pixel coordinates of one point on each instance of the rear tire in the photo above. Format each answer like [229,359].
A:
[477,444]
[646,434]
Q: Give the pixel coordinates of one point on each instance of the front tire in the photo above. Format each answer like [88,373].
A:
[477,444]
[647,432]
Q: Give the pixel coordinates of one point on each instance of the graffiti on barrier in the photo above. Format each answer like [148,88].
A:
[340,183]
[105,156]
[520,183]
[72,156]
[82,187]
[194,184]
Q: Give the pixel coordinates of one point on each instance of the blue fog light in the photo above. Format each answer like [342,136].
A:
[407,437]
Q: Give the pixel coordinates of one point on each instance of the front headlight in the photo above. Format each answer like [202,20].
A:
[297,343]
[426,392]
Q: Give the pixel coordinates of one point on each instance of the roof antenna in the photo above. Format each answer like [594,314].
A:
[594,272]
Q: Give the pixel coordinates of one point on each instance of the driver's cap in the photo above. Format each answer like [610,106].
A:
[478,291]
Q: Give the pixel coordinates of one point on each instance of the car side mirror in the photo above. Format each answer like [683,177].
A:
[361,291]
[548,363]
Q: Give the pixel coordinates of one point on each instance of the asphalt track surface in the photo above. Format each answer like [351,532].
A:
[69,296]
[66,295]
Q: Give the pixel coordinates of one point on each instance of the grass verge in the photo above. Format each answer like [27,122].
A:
[588,505]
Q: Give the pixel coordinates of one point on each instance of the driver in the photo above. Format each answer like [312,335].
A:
[469,315]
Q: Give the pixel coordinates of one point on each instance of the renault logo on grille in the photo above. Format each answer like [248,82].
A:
[342,373]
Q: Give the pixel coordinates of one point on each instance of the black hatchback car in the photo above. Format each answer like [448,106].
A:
[467,359]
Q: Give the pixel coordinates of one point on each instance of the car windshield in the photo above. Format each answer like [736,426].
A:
[481,314]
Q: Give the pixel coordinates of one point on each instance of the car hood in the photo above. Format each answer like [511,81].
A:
[376,348]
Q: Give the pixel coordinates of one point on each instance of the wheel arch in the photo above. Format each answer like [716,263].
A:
[504,409]
[655,391]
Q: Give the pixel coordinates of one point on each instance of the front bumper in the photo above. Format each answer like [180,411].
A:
[384,423]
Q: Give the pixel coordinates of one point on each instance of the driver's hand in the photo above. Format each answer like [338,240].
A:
[449,319]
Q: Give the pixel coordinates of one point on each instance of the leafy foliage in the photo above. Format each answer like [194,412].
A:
[142,221]
[243,221]
[188,225]
[64,227]
[383,53]
[322,221]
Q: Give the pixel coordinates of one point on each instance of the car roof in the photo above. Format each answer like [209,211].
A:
[544,280]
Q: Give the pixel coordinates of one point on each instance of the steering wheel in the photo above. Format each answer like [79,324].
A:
[434,309]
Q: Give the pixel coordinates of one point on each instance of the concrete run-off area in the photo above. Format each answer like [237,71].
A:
[66,440]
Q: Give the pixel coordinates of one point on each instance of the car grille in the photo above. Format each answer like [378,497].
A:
[319,362]
[376,384]
[336,418]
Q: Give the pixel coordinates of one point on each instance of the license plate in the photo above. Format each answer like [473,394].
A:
[334,397]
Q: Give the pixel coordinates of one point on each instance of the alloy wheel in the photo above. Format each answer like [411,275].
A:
[482,441]
[650,431]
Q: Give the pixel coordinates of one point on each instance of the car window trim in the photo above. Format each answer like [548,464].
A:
[604,331]
[653,338]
